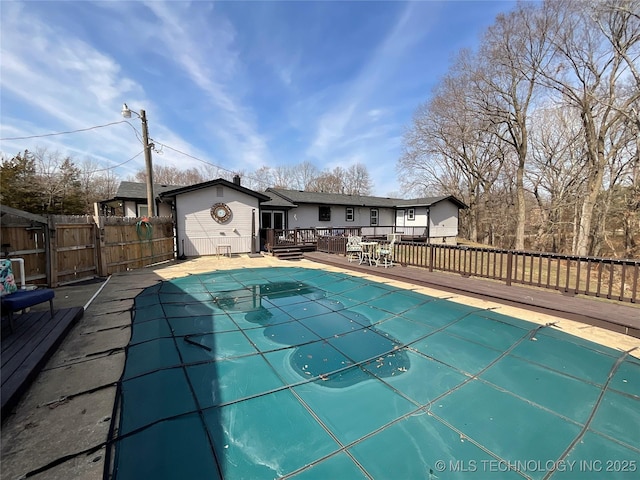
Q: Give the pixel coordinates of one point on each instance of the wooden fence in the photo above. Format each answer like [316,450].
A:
[127,244]
[59,250]
[610,278]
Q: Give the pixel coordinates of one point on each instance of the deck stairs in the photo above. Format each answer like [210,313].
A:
[287,252]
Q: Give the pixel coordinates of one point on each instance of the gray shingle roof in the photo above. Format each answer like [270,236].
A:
[139,190]
[322,198]
[283,198]
[219,181]
[428,201]
[276,201]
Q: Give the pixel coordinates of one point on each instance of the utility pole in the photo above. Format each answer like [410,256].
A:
[151,203]
[126,113]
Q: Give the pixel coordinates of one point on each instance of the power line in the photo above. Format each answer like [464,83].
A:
[260,181]
[120,164]
[66,133]
[191,156]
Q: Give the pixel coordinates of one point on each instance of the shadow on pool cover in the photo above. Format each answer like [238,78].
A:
[311,360]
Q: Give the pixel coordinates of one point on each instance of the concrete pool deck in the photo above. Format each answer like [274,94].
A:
[59,428]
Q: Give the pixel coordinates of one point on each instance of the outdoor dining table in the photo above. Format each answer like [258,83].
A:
[369,252]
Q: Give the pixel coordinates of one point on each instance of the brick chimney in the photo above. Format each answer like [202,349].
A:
[236,179]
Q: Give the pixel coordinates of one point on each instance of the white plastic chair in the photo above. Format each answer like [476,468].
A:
[385,254]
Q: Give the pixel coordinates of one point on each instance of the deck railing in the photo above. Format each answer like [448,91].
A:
[593,276]
[305,236]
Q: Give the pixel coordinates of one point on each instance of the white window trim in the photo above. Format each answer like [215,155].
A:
[377,217]
[411,214]
[353,214]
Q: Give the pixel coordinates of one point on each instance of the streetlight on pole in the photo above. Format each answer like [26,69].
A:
[126,113]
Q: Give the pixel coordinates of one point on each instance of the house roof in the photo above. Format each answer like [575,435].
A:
[295,197]
[429,201]
[322,198]
[282,198]
[4,210]
[138,190]
[277,201]
[219,181]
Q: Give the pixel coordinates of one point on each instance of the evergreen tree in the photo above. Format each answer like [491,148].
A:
[18,183]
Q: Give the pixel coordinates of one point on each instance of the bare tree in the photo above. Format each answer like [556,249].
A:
[328,181]
[357,180]
[354,180]
[96,183]
[504,75]
[588,71]
[303,175]
[170,175]
[554,175]
[451,149]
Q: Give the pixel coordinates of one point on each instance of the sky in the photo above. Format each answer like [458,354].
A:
[236,84]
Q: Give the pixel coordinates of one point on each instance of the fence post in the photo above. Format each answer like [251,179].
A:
[101,259]
[432,256]
[509,267]
[53,251]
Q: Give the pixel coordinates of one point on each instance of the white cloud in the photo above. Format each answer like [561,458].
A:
[65,84]
[207,55]
[349,110]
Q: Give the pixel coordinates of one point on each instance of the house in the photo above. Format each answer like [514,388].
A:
[131,201]
[221,214]
[432,218]
[213,215]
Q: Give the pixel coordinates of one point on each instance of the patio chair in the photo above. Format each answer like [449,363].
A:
[354,249]
[13,299]
[385,254]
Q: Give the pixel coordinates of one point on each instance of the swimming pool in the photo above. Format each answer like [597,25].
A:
[301,373]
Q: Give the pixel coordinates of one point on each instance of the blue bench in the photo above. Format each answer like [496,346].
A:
[24,299]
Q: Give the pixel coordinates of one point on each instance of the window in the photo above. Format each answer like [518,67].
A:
[324,214]
[143,210]
[374,216]
[411,214]
[350,214]
[278,220]
[266,220]
[273,219]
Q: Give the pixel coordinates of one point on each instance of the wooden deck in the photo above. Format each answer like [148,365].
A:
[26,351]
[592,311]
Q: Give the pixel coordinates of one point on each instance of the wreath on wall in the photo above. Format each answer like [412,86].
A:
[221,212]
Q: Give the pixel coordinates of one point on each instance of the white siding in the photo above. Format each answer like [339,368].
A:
[131,209]
[202,234]
[417,226]
[420,219]
[386,217]
[306,216]
[444,220]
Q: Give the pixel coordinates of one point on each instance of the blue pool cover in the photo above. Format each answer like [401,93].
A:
[309,374]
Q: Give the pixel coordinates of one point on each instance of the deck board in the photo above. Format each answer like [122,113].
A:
[618,317]
[26,351]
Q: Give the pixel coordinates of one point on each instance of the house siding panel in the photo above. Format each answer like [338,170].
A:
[444,220]
[202,234]
[306,216]
[131,209]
